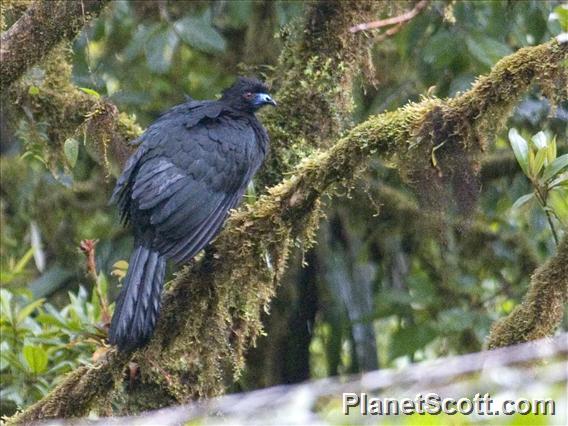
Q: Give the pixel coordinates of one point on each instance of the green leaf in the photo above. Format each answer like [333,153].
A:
[520,149]
[531,163]
[540,140]
[23,261]
[5,302]
[551,150]
[28,309]
[71,150]
[33,91]
[90,92]
[160,50]
[538,162]
[485,49]
[521,201]
[13,361]
[558,200]
[561,179]
[61,367]
[406,341]
[555,167]
[561,14]
[36,358]
[200,34]
[4,348]
[440,49]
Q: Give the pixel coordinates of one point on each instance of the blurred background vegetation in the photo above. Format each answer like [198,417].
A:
[381,289]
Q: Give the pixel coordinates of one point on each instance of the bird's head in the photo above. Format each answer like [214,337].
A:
[247,94]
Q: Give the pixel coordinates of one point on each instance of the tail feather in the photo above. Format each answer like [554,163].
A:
[142,322]
[138,304]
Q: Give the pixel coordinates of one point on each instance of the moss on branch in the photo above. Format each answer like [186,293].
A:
[314,77]
[227,290]
[542,309]
[43,25]
[211,310]
[81,389]
[69,112]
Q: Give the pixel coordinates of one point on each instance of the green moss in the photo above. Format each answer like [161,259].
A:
[211,310]
[225,292]
[315,77]
[81,389]
[65,111]
[543,307]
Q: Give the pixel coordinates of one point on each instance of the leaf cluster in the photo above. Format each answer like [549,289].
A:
[40,343]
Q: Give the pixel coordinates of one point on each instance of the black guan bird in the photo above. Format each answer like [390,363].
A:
[192,166]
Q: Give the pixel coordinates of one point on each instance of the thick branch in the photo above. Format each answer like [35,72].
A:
[262,235]
[69,112]
[33,36]
[395,20]
[75,396]
[542,309]
[226,291]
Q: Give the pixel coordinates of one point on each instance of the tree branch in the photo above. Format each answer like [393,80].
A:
[315,76]
[225,297]
[396,20]
[69,112]
[542,309]
[44,24]
[81,388]
[227,302]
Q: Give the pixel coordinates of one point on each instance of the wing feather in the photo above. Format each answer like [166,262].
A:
[201,237]
[192,167]
[173,246]
[194,194]
[148,201]
[187,217]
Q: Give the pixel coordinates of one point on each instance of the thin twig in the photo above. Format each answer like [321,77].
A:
[407,16]
[88,249]
[542,198]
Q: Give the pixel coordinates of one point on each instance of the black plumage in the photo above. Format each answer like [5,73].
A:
[192,166]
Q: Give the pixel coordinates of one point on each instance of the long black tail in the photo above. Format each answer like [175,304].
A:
[138,304]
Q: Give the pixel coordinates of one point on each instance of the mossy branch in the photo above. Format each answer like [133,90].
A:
[314,77]
[542,309]
[44,25]
[44,33]
[70,112]
[82,388]
[211,311]
[225,296]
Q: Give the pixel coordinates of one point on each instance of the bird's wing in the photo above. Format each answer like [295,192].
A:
[186,116]
[185,185]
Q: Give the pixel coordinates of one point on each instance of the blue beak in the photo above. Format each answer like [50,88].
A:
[261,99]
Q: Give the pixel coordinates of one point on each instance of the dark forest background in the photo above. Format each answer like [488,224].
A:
[381,288]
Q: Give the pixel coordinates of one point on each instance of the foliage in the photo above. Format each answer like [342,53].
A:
[186,48]
[547,175]
[40,343]
[434,283]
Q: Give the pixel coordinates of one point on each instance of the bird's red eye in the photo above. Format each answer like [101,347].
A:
[247,95]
